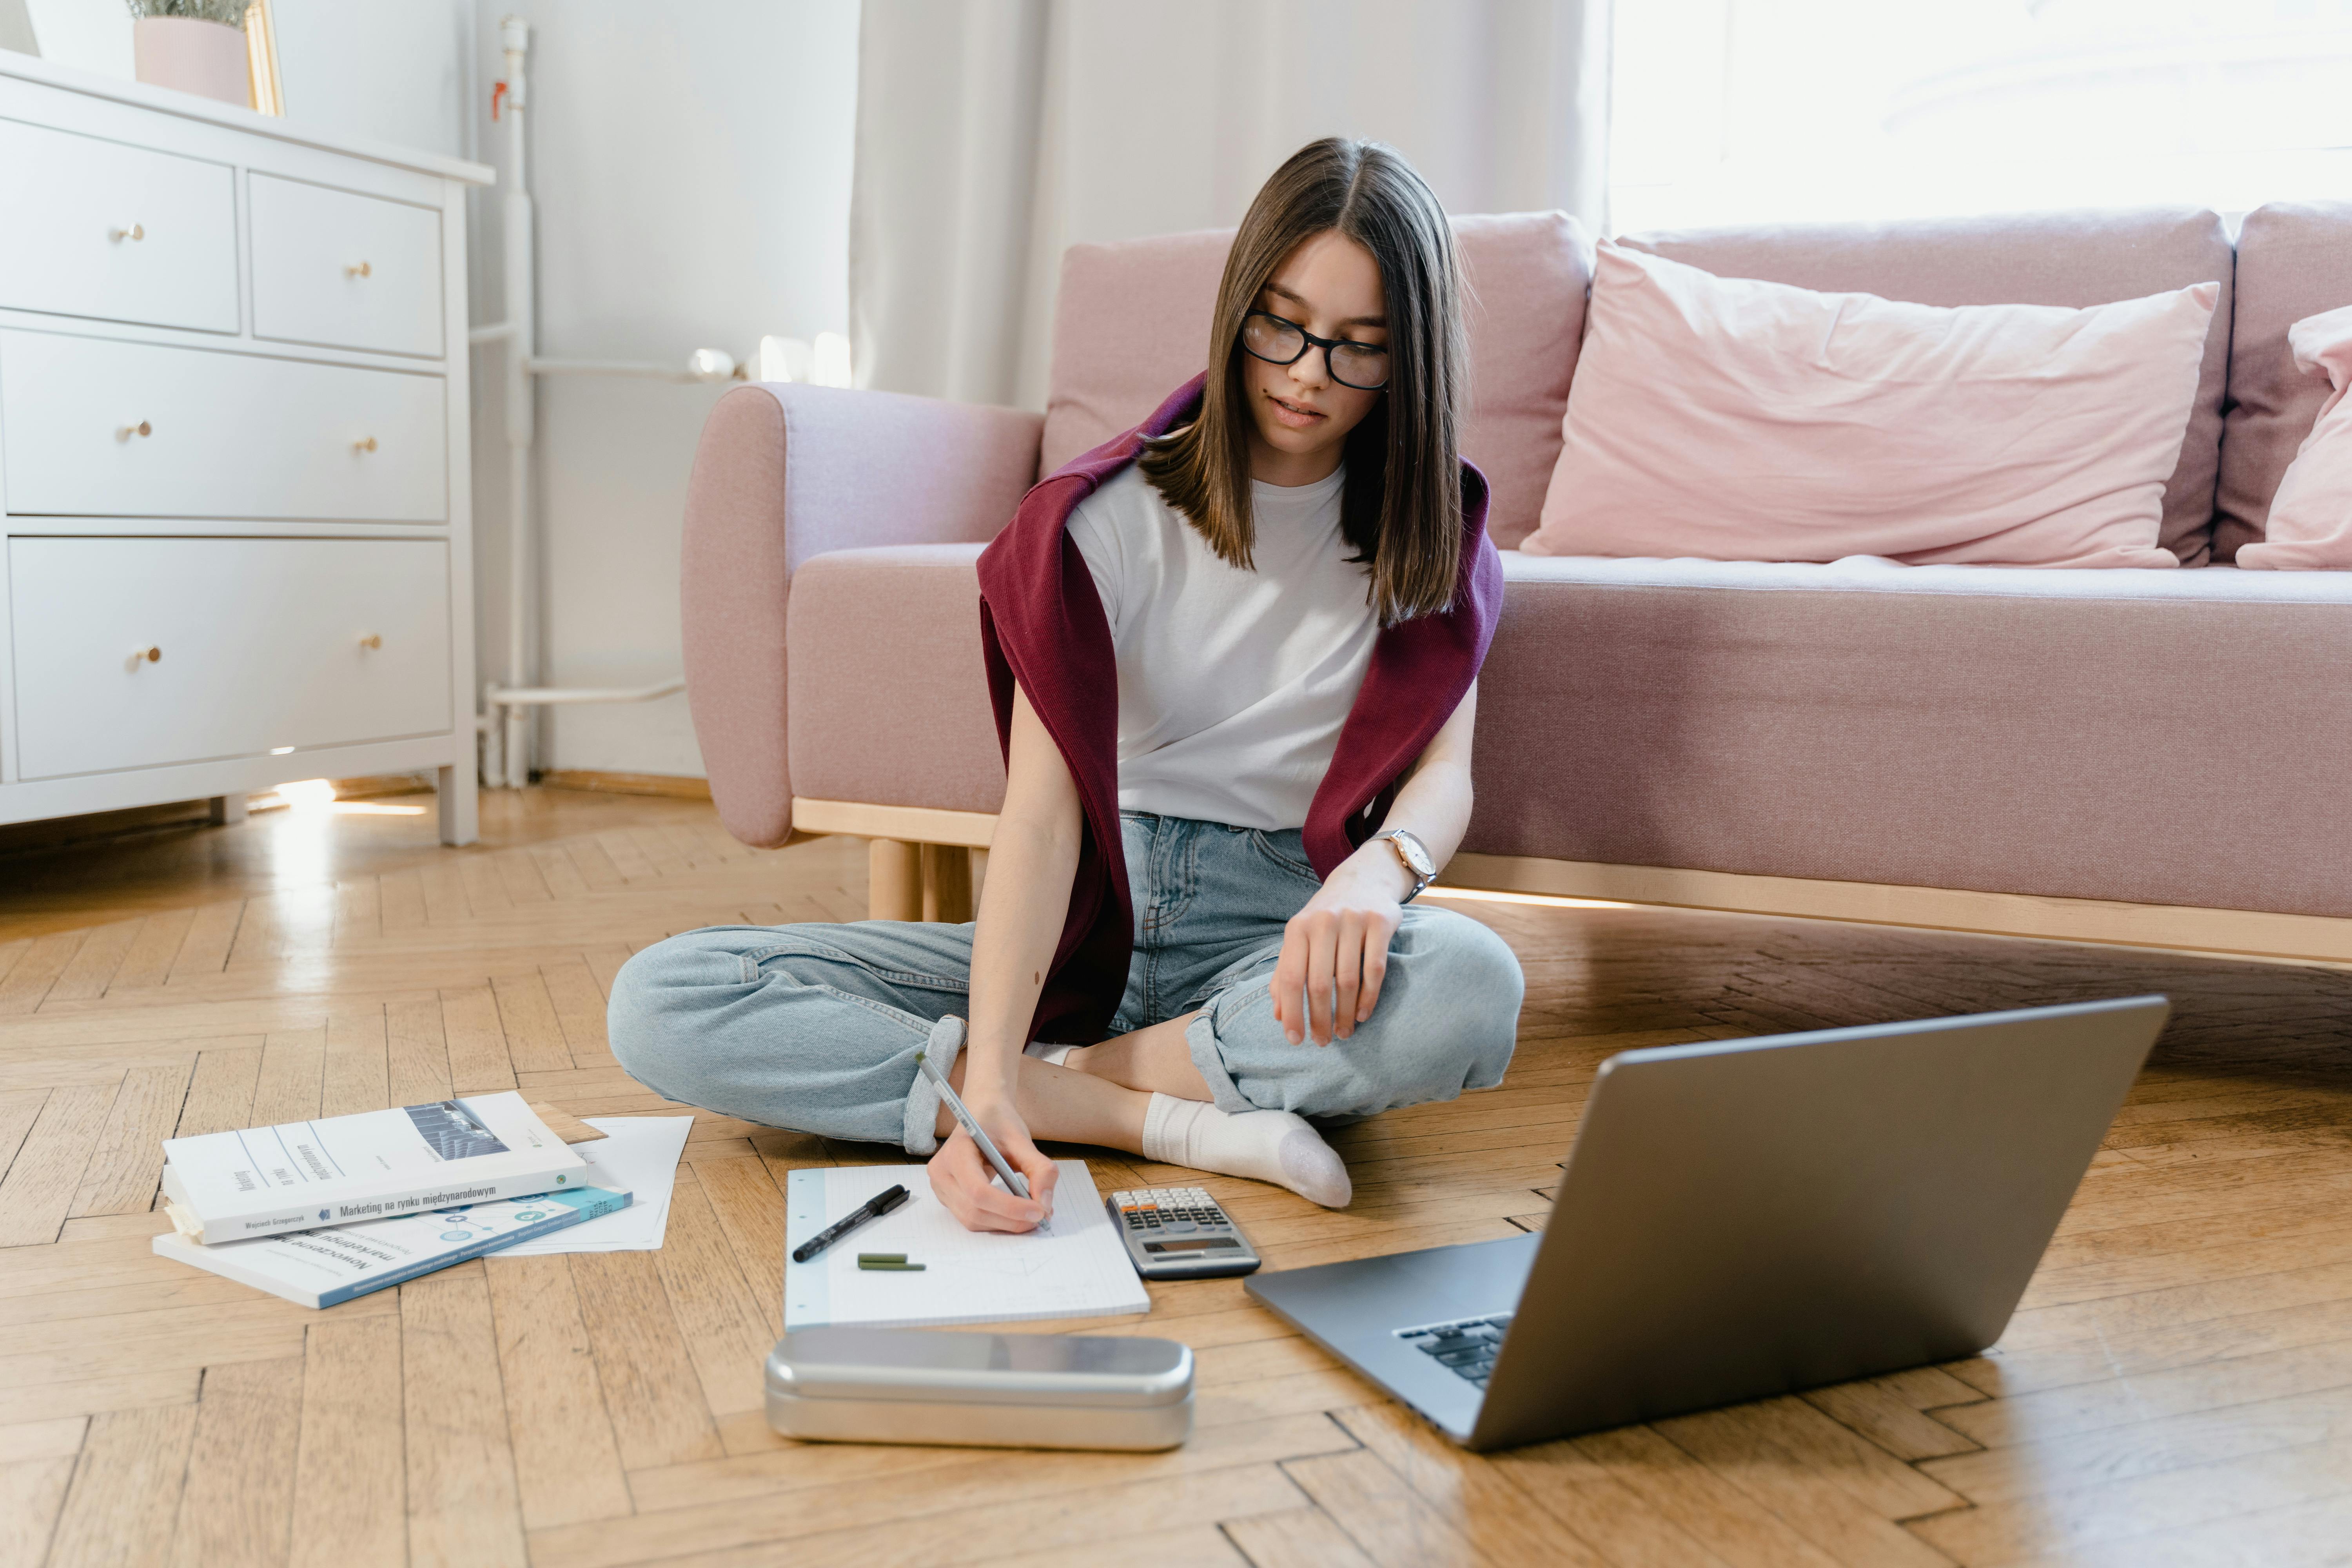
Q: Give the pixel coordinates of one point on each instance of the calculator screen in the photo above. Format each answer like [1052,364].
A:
[1201,1245]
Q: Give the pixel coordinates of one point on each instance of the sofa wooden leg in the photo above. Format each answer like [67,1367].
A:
[947,882]
[894,870]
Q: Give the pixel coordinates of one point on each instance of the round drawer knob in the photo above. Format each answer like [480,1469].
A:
[359,269]
[366,445]
[128,431]
[374,640]
[135,231]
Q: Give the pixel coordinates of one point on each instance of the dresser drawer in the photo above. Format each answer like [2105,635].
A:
[96,429]
[262,643]
[98,228]
[345,271]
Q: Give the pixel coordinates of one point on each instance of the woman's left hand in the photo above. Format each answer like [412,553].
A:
[1335,950]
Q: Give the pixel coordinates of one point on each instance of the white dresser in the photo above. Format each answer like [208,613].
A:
[233,454]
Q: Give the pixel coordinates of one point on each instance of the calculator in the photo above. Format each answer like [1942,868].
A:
[1180,1233]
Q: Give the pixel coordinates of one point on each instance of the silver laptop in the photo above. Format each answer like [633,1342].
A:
[1750,1217]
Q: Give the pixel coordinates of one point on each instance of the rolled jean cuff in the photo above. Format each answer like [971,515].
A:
[921,1128]
[1201,1038]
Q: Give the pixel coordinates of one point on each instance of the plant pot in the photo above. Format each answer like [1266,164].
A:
[206,58]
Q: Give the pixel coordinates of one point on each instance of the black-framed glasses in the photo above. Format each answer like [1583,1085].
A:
[1364,367]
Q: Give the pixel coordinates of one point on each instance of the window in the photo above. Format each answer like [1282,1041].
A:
[1737,111]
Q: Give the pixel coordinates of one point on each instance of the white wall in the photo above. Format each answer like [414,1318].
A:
[691,166]
[397,70]
[84,34]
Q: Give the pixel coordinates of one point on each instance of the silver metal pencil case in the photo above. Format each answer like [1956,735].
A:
[1013,1391]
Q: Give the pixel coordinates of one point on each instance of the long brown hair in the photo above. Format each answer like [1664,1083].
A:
[1401,512]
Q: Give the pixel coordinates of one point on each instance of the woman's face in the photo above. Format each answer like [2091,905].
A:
[1299,415]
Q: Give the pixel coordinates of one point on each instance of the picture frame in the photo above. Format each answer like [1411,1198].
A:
[261,60]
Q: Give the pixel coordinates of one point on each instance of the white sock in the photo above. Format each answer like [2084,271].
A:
[1263,1145]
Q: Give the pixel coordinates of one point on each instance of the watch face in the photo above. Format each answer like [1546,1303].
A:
[1415,856]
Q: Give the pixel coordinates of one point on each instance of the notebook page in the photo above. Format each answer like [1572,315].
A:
[1078,1269]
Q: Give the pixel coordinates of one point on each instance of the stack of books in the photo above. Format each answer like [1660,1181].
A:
[320,1212]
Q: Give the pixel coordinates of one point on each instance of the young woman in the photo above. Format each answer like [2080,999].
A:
[1235,656]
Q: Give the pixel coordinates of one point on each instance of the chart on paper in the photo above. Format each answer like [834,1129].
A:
[1078,1269]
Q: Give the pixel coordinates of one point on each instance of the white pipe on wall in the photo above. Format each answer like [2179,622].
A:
[522,411]
[506,725]
[536,695]
[703,365]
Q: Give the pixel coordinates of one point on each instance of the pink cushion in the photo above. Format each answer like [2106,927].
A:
[2311,516]
[2295,259]
[2057,734]
[2030,259]
[889,699]
[1133,323]
[1130,325]
[1734,419]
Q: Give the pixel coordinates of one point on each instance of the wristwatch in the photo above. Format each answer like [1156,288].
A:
[1417,862]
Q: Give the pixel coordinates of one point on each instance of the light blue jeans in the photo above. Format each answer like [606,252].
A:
[815,1028]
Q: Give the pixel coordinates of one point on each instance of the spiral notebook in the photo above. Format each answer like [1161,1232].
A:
[1078,1269]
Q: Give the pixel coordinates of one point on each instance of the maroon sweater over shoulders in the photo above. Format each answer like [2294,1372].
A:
[1042,625]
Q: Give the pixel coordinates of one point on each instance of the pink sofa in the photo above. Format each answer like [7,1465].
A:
[2134,755]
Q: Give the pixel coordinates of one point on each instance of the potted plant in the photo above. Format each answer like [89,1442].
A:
[196,45]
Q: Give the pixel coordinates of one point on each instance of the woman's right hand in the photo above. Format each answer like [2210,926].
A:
[964,1182]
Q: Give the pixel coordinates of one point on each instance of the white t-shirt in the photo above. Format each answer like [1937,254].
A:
[1233,684]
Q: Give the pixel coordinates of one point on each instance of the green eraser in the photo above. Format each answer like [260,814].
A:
[890,1268]
[881,1257]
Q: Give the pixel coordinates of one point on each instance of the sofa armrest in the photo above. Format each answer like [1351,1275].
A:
[785,472]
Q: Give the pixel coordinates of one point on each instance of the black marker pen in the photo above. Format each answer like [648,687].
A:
[874,1208]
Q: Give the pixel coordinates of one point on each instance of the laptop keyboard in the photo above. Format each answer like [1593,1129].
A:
[1469,1347]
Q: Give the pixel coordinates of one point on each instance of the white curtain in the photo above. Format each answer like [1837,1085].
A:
[992,133]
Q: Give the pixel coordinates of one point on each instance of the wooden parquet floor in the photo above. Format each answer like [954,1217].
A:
[2176,1390]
